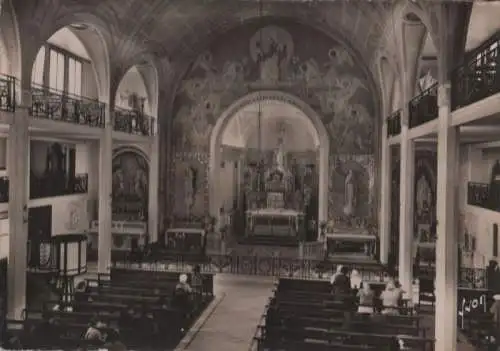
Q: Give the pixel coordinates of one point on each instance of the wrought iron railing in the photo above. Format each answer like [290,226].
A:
[479,194]
[60,106]
[423,107]
[478,77]
[7,93]
[133,122]
[4,189]
[394,124]
[50,186]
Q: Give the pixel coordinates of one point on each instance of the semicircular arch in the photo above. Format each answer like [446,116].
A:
[263,97]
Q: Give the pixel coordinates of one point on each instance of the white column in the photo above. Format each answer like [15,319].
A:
[105,192]
[446,247]
[407,166]
[384,224]
[17,170]
[154,185]
[323,186]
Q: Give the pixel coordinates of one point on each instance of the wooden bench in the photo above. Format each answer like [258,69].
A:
[277,335]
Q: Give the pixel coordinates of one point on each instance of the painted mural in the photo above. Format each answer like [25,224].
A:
[130,186]
[280,56]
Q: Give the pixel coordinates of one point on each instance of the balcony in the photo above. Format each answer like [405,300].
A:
[57,185]
[394,124]
[4,189]
[7,93]
[133,122]
[59,106]
[478,77]
[423,108]
[478,194]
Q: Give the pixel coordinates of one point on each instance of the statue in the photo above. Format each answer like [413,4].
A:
[349,196]
[423,197]
[279,154]
[271,48]
[190,187]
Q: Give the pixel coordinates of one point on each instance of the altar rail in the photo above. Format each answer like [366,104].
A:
[255,265]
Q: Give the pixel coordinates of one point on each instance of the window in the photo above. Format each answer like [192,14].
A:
[64,70]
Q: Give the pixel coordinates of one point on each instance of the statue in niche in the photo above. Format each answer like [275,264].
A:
[279,153]
[118,182]
[271,48]
[190,188]
[423,199]
[349,194]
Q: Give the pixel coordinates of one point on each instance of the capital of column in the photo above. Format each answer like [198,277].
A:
[444,95]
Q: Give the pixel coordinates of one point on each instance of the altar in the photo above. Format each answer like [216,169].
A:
[355,244]
[185,240]
[274,221]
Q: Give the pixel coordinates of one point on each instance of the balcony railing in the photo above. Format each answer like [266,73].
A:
[59,106]
[423,107]
[4,189]
[55,185]
[7,93]
[479,194]
[133,122]
[478,77]
[394,124]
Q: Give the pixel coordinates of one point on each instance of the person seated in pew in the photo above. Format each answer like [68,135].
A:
[197,285]
[94,334]
[355,280]
[337,272]
[341,284]
[81,290]
[495,311]
[366,297]
[391,298]
[183,285]
[126,319]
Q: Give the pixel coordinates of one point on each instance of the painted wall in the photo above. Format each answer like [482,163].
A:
[321,72]
[476,166]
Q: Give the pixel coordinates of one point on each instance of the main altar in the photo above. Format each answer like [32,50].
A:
[274,196]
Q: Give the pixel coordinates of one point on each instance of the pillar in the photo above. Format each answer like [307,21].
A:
[407,165]
[17,170]
[385,198]
[446,247]
[154,185]
[105,193]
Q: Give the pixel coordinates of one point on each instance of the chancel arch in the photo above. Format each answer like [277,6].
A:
[283,118]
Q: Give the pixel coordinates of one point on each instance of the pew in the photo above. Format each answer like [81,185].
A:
[304,315]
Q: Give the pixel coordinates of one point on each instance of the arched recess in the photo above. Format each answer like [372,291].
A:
[425,188]
[141,80]
[130,191]
[416,42]
[278,98]
[90,30]
[10,43]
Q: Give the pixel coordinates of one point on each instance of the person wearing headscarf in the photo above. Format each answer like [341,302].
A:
[366,297]
[390,298]
[183,284]
[337,272]
[355,280]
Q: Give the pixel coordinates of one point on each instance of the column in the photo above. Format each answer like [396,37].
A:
[154,185]
[406,229]
[385,198]
[17,162]
[446,247]
[105,192]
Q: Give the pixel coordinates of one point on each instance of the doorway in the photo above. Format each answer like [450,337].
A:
[40,222]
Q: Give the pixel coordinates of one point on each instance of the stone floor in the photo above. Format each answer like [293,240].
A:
[232,325]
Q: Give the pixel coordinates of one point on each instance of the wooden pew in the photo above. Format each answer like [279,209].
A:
[345,337]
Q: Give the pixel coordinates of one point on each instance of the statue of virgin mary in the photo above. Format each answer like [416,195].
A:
[349,194]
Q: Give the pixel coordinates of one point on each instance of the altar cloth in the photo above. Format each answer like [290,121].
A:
[279,212]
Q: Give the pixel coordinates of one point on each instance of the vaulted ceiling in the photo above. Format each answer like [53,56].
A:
[180,29]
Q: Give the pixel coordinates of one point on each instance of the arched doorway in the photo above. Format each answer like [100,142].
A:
[283,118]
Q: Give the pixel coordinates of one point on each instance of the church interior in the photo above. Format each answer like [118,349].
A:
[326,173]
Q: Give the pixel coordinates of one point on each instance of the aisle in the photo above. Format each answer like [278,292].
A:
[232,324]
